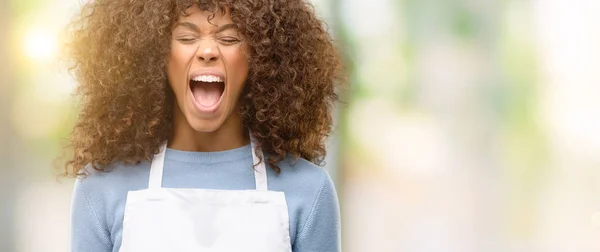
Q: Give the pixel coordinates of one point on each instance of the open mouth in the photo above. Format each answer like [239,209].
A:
[207,90]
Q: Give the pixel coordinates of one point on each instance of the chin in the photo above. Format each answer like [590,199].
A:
[205,125]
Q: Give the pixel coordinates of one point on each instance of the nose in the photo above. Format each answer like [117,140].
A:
[208,51]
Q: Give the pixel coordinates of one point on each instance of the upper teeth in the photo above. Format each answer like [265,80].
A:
[208,78]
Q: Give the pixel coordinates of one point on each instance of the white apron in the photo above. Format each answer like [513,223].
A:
[184,220]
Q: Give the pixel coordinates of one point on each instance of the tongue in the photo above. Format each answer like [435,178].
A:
[207,93]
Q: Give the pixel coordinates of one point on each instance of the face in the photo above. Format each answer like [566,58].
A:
[206,68]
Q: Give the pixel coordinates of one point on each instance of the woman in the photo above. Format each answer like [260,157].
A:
[200,125]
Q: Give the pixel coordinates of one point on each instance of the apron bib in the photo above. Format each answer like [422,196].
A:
[184,220]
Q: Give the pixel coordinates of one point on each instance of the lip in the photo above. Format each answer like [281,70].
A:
[202,109]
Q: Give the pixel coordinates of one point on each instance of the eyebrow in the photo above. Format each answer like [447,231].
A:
[188,25]
[194,27]
[226,27]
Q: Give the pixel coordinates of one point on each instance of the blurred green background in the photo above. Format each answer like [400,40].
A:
[467,125]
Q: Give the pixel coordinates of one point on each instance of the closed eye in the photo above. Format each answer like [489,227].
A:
[186,40]
[229,40]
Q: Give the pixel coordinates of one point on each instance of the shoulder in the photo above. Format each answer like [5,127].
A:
[302,175]
[115,181]
[114,173]
[304,183]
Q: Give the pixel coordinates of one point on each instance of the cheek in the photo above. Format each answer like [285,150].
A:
[177,65]
[237,64]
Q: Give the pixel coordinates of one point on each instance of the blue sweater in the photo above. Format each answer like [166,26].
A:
[98,201]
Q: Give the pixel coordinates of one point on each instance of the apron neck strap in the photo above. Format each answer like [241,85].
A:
[156,168]
[158,161]
[260,172]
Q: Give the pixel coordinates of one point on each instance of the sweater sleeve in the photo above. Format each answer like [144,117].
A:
[321,231]
[89,231]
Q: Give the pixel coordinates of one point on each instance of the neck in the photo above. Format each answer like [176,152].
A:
[229,136]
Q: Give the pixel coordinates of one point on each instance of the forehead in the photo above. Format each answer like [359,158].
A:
[197,16]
